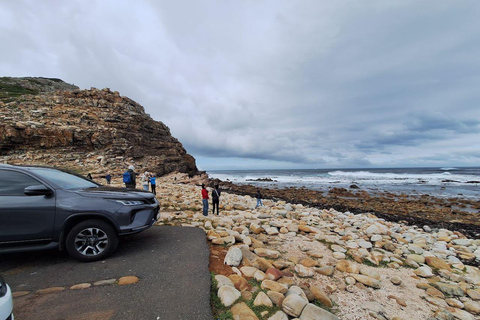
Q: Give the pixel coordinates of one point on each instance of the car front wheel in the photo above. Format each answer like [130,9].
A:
[91,240]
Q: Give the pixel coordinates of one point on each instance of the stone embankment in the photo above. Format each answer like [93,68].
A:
[289,261]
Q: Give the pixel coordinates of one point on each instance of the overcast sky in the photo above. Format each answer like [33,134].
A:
[272,84]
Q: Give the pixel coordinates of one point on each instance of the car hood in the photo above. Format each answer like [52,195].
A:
[114,193]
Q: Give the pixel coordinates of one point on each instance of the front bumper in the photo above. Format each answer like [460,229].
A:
[142,220]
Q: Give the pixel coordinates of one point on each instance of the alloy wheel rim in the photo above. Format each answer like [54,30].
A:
[91,241]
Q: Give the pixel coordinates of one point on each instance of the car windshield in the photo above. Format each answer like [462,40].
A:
[64,180]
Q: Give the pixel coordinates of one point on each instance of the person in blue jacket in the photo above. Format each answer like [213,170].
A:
[153,183]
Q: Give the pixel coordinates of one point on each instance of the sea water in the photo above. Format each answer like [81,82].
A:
[439,182]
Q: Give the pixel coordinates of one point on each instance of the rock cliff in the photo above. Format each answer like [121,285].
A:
[49,122]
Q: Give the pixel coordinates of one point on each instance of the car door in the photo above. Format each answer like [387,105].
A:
[22,217]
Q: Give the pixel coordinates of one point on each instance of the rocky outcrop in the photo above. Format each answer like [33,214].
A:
[327,264]
[85,130]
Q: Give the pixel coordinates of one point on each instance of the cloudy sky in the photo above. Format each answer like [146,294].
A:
[272,84]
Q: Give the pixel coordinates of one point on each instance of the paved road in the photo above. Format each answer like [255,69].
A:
[171,262]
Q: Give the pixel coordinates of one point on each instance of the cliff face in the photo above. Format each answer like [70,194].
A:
[84,130]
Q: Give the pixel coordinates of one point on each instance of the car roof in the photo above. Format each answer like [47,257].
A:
[25,167]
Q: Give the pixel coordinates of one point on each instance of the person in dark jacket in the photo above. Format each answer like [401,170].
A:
[108,177]
[259,199]
[133,183]
[216,199]
[89,176]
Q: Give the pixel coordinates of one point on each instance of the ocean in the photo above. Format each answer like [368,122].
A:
[440,182]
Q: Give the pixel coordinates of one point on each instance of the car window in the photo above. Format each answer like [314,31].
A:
[64,180]
[13,183]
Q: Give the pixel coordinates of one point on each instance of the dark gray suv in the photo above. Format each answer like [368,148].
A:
[42,208]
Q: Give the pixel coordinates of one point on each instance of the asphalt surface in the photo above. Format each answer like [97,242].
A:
[171,263]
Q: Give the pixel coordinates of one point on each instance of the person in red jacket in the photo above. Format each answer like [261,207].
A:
[205,200]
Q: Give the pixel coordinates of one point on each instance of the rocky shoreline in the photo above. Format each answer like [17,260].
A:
[290,261]
[455,214]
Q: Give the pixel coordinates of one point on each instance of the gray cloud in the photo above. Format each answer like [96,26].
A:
[293,84]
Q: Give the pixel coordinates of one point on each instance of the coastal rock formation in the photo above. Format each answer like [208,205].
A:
[452,213]
[49,122]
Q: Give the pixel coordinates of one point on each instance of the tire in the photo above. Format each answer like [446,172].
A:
[91,240]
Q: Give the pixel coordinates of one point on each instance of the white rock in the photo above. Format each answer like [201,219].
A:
[233,257]
[304,272]
[223,281]
[376,237]
[337,248]
[376,228]
[228,295]
[461,314]
[415,249]
[312,312]
[339,255]
[262,300]
[365,244]
[296,290]
[279,315]
[235,269]
[271,231]
[463,242]
[248,271]
[425,272]
[293,305]
[247,241]
[259,275]
[352,245]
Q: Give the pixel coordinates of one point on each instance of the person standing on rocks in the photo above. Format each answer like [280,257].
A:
[108,177]
[89,176]
[153,184]
[259,199]
[129,178]
[216,199]
[145,177]
[205,200]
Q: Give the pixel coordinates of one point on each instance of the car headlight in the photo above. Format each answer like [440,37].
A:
[129,202]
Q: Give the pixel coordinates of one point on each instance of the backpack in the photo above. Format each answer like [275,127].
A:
[127,177]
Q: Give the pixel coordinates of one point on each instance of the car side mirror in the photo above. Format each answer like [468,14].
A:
[37,190]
